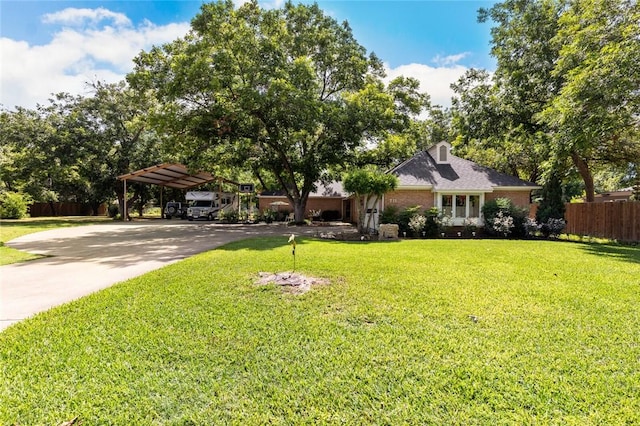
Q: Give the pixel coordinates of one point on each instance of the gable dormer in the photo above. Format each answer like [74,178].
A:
[441,152]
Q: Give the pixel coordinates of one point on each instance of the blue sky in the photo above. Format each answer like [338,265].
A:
[52,46]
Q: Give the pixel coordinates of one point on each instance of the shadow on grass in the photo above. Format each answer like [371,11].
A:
[53,221]
[622,253]
[274,242]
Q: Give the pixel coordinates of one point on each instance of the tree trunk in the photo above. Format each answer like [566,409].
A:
[373,208]
[121,207]
[125,215]
[361,201]
[298,211]
[53,208]
[95,206]
[585,173]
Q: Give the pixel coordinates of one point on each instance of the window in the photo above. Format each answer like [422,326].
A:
[447,205]
[443,154]
[474,206]
[461,206]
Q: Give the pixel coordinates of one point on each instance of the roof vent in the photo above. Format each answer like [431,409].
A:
[441,152]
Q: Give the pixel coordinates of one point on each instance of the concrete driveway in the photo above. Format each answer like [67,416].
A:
[85,259]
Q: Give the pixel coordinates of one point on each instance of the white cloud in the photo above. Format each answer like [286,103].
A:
[444,61]
[76,17]
[29,74]
[435,81]
[90,51]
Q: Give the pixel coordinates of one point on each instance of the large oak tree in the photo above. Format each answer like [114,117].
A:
[565,91]
[495,115]
[286,93]
[596,115]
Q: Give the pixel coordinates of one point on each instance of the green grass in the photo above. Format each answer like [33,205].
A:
[391,340]
[10,229]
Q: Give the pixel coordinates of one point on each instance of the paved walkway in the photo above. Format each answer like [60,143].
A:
[85,259]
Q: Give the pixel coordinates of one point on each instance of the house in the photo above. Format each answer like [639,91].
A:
[431,178]
[436,178]
[329,198]
[623,194]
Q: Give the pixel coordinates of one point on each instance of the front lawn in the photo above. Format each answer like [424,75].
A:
[411,332]
[10,229]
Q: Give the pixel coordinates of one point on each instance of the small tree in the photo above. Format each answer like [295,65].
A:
[552,204]
[367,185]
[550,213]
[13,205]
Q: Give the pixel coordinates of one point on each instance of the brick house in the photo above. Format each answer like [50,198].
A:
[431,178]
[436,178]
[328,197]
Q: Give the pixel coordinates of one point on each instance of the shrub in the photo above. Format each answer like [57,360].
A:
[228,216]
[13,205]
[531,227]
[470,227]
[553,227]
[113,211]
[268,215]
[417,224]
[389,215]
[505,206]
[433,225]
[315,214]
[330,215]
[502,223]
[404,217]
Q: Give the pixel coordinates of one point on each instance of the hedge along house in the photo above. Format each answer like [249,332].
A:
[457,187]
[329,198]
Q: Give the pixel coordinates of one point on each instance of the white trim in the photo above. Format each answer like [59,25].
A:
[413,188]
[516,188]
[459,221]
[466,190]
[463,191]
[436,151]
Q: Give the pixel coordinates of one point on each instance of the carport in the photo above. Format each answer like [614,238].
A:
[172,175]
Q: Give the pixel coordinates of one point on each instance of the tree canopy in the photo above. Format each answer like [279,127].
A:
[287,93]
[595,116]
[565,90]
[367,185]
[74,148]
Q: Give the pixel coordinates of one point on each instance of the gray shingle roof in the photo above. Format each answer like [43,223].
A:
[328,189]
[458,174]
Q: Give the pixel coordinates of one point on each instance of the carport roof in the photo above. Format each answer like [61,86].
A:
[172,175]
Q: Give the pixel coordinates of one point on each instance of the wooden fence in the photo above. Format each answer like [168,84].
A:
[616,220]
[64,209]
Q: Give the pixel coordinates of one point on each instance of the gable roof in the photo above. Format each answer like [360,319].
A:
[457,174]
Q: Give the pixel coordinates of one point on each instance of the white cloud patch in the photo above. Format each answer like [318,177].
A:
[445,61]
[84,50]
[78,17]
[435,81]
